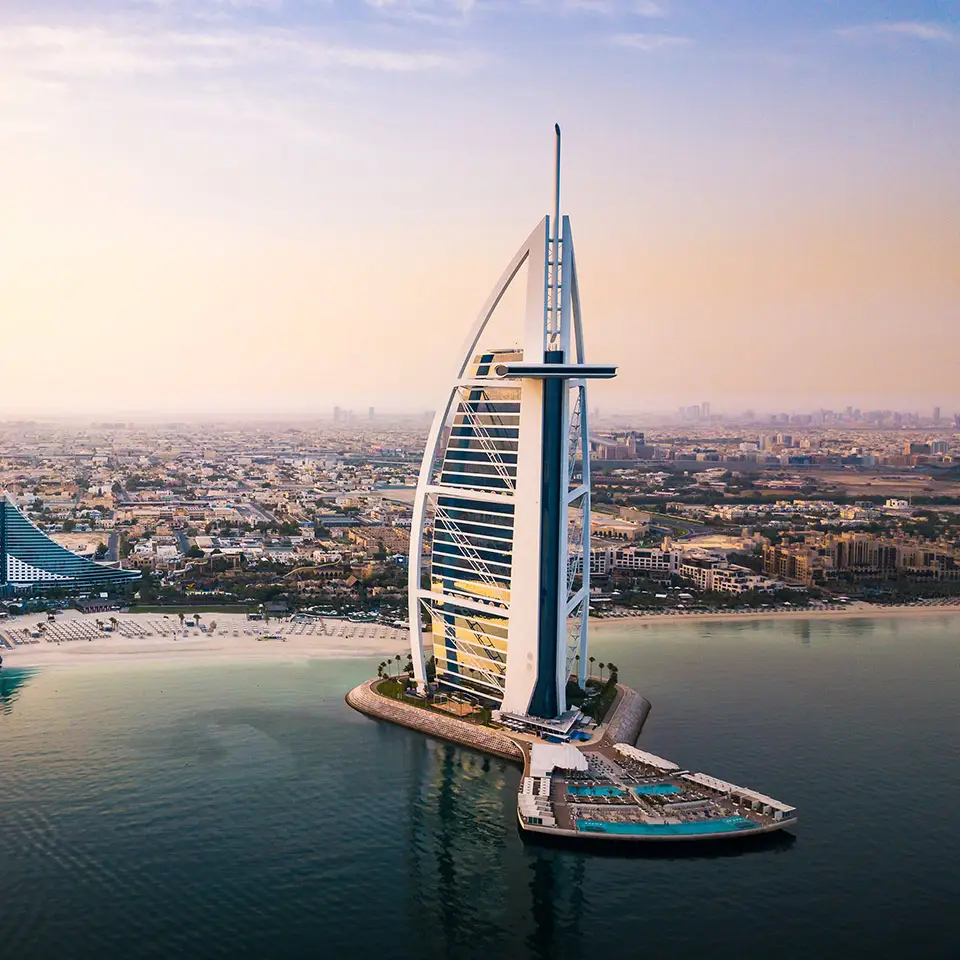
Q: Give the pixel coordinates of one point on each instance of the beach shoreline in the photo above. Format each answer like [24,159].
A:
[155,638]
[855,610]
[151,637]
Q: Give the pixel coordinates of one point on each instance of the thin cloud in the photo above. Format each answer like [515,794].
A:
[431,11]
[606,8]
[460,6]
[649,42]
[647,8]
[928,31]
[78,52]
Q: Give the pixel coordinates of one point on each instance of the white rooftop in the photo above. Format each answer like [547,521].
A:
[545,757]
[641,756]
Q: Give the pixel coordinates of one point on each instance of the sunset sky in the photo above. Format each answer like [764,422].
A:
[274,206]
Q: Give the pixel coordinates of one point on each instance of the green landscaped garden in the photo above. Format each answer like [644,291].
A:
[392,689]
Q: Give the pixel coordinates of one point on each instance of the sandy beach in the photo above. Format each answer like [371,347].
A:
[847,612]
[75,638]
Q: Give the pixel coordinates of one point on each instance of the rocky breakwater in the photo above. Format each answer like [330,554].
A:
[627,717]
[366,700]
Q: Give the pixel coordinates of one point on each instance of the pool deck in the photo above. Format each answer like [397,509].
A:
[621,797]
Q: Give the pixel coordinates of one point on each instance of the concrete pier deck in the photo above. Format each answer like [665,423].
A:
[616,793]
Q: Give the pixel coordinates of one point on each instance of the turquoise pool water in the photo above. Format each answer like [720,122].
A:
[721,825]
[582,791]
[656,789]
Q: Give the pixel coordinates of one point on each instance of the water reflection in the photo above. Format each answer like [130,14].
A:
[471,883]
[11,680]
[557,894]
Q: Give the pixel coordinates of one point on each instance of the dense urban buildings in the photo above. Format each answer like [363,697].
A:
[318,513]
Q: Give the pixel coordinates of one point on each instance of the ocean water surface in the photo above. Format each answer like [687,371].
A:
[241,810]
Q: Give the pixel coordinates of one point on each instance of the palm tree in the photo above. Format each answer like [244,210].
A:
[379,669]
[602,665]
[593,660]
[180,615]
[100,625]
[196,619]
[114,622]
[397,658]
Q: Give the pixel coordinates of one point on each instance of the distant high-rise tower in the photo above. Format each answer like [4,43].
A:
[705,410]
[371,414]
[505,480]
[936,414]
[337,415]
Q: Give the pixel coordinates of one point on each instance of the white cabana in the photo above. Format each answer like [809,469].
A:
[545,757]
[641,756]
[756,800]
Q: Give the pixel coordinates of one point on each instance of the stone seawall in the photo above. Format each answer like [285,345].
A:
[366,701]
[628,718]
[629,714]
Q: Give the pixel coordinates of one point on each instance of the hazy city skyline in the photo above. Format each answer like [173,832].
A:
[279,206]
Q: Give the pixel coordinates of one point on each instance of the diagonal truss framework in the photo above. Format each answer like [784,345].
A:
[499,550]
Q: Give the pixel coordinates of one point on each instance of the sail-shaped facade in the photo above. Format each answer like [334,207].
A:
[29,558]
[499,590]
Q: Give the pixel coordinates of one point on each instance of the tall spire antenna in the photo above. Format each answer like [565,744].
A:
[556,193]
[554,319]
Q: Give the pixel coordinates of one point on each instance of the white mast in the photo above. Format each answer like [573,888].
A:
[554,319]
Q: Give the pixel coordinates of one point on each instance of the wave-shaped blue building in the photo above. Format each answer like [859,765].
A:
[30,559]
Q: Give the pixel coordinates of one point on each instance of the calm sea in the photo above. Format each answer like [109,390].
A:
[239,810]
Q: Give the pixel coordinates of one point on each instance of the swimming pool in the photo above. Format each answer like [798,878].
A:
[657,789]
[578,790]
[720,825]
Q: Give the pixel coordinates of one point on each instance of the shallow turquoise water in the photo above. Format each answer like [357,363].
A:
[244,811]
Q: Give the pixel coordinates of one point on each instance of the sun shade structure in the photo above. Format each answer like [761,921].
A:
[29,558]
[641,756]
[501,601]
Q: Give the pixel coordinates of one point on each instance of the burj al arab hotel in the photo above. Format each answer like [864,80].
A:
[499,551]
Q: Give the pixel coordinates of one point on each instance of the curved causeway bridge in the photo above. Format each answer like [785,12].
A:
[603,788]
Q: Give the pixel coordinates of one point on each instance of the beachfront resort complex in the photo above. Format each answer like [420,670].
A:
[499,593]
[29,559]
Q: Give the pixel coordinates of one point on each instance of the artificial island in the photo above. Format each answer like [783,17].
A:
[499,592]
